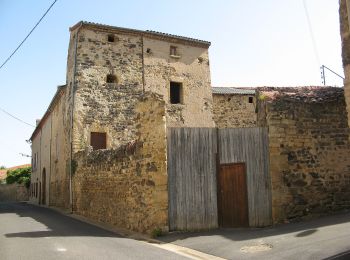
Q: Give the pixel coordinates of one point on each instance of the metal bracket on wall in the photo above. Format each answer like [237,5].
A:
[323,75]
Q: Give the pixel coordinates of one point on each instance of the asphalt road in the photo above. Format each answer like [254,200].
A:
[323,238]
[29,232]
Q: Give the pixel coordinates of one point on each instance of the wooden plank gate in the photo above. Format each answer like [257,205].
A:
[218,177]
[192,178]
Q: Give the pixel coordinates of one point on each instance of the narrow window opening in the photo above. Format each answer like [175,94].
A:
[175,93]
[111,78]
[98,140]
[111,38]
[148,51]
[250,99]
[173,51]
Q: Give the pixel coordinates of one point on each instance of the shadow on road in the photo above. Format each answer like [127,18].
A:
[306,228]
[58,225]
[341,256]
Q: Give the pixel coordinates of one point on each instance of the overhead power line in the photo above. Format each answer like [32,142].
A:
[311,34]
[18,119]
[19,46]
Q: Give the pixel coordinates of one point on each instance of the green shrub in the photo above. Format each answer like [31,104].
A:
[21,176]
[157,232]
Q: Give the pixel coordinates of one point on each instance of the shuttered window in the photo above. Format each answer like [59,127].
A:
[98,140]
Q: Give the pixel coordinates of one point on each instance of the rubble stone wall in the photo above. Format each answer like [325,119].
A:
[309,150]
[234,111]
[191,69]
[127,186]
[13,192]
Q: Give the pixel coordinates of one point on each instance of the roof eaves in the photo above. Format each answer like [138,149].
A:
[145,33]
[233,91]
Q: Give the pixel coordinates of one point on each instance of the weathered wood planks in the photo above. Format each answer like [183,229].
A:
[192,167]
[192,178]
[250,145]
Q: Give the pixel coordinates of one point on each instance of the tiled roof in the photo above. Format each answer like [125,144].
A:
[3,173]
[234,91]
[313,94]
[147,32]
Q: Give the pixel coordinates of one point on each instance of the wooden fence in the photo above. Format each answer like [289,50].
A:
[192,178]
[193,158]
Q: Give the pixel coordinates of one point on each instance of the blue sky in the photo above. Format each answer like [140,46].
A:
[254,43]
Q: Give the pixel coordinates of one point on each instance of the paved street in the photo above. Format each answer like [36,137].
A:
[317,239]
[30,232]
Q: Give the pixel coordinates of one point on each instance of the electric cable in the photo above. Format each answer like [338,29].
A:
[311,34]
[3,64]
[18,119]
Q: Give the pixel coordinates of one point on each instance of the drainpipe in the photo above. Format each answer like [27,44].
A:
[71,121]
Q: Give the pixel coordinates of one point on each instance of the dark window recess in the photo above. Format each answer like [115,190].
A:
[111,38]
[175,92]
[111,78]
[148,51]
[173,50]
[250,99]
[98,140]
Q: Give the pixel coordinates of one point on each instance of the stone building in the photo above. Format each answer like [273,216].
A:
[130,139]
[234,107]
[309,150]
[100,148]
[344,10]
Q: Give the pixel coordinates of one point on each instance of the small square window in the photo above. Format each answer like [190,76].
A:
[110,38]
[111,78]
[250,99]
[98,140]
[175,93]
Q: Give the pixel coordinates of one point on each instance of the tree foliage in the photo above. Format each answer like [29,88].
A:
[21,176]
[2,167]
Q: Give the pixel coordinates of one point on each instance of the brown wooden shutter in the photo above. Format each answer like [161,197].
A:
[98,140]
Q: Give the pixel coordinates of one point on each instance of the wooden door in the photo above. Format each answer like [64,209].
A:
[232,196]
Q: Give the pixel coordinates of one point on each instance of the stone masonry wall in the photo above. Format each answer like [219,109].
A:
[60,148]
[13,192]
[100,106]
[345,37]
[191,68]
[233,111]
[309,150]
[127,186]
[35,175]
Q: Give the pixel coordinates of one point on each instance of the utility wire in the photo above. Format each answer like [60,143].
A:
[18,119]
[3,64]
[312,34]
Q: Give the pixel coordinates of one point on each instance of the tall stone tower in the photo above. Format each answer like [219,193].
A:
[110,67]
